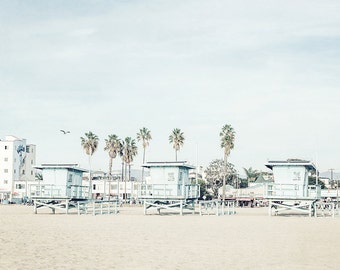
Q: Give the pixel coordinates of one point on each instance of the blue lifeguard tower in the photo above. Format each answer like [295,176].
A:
[168,187]
[290,190]
[61,187]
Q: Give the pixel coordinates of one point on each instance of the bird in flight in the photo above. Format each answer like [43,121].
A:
[64,131]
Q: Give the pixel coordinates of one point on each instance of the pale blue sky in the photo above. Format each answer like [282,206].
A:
[269,68]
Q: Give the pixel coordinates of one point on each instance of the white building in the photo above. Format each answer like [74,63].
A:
[16,168]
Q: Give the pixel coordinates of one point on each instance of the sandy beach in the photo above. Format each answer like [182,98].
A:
[129,240]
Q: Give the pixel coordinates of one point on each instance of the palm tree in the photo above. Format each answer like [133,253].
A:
[112,145]
[251,174]
[130,150]
[90,144]
[144,135]
[227,136]
[177,139]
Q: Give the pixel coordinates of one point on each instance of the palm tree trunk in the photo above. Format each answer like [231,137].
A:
[224,177]
[125,169]
[110,170]
[176,154]
[130,179]
[143,167]
[90,179]
[122,177]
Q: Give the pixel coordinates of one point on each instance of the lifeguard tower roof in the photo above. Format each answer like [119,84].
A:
[180,164]
[291,162]
[73,167]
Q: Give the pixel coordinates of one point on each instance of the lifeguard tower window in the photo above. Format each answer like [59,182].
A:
[296,176]
[171,176]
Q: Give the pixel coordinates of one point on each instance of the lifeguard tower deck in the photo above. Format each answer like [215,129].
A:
[290,190]
[168,187]
[62,190]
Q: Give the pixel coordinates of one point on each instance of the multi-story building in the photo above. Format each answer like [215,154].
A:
[16,168]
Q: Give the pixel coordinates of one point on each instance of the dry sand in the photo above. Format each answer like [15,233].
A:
[129,240]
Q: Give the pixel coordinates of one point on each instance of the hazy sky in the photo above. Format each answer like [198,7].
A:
[270,69]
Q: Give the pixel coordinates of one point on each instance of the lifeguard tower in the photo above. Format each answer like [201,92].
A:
[290,190]
[61,187]
[168,187]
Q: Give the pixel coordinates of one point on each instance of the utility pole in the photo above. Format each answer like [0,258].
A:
[332,183]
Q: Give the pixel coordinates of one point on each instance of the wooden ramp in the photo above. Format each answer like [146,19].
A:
[81,206]
[176,205]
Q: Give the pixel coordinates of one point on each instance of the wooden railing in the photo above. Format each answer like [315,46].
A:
[168,191]
[51,191]
[217,207]
[293,190]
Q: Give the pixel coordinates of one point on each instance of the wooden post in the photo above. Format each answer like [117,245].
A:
[35,207]
[67,204]
[144,207]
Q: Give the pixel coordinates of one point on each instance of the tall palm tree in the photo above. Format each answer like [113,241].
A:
[90,145]
[130,150]
[112,145]
[144,135]
[177,139]
[227,136]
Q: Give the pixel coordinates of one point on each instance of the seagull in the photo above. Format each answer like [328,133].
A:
[65,132]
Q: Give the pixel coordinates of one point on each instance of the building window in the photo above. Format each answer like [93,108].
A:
[15,171]
[6,147]
[32,162]
[6,159]
[27,149]
[23,172]
[5,170]
[31,172]
[19,186]
[94,186]
[5,182]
